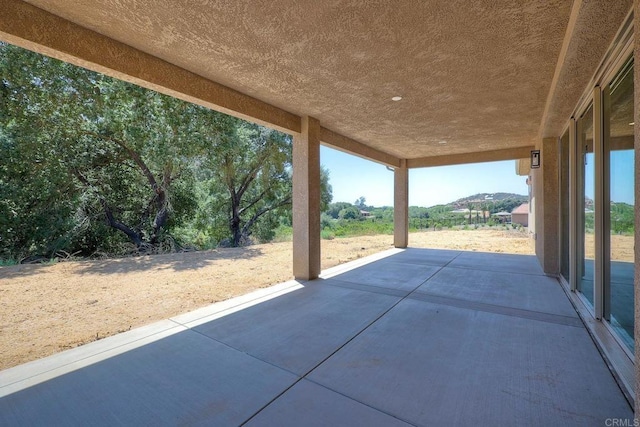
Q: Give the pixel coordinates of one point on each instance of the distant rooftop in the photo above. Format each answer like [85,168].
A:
[522,209]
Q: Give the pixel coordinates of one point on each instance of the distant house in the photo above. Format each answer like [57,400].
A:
[520,215]
[503,217]
[365,214]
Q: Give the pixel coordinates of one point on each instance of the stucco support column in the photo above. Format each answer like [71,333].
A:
[636,129]
[306,200]
[546,187]
[401,205]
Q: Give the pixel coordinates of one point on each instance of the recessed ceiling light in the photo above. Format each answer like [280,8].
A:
[396,98]
[632,123]
[442,142]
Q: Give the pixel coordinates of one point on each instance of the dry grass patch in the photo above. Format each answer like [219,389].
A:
[48,308]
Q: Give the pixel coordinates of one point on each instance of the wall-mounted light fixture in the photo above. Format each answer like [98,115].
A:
[535,159]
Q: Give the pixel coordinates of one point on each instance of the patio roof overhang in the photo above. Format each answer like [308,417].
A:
[479,81]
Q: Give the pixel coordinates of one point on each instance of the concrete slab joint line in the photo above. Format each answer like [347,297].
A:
[306,374]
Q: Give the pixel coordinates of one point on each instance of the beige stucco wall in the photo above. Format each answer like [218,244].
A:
[522,219]
[401,206]
[306,200]
[545,189]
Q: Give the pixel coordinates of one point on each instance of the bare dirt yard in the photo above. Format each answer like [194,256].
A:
[45,309]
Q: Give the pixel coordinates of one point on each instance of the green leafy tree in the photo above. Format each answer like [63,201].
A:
[116,148]
[384,213]
[622,218]
[418,212]
[326,190]
[249,175]
[94,163]
[350,212]
[485,209]
[250,169]
[334,209]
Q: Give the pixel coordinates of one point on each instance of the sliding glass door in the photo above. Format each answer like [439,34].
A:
[604,263]
[564,206]
[620,196]
[585,204]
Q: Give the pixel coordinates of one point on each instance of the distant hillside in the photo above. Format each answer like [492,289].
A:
[499,199]
[491,202]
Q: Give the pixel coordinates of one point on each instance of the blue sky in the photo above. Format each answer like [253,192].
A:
[622,178]
[352,177]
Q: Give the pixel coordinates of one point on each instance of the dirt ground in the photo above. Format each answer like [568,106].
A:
[45,309]
[621,247]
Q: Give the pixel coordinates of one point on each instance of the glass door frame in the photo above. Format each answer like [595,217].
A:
[577,200]
[597,98]
[615,349]
[623,59]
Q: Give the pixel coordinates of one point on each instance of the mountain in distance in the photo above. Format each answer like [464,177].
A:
[494,202]
[488,198]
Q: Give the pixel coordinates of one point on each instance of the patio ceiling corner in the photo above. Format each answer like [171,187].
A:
[348,145]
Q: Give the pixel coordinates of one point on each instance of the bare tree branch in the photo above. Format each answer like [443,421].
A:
[257,215]
[132,154]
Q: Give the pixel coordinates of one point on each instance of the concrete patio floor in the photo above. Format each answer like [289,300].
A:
[415,337]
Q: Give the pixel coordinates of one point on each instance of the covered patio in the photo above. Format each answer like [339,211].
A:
[406,337]
[416,337]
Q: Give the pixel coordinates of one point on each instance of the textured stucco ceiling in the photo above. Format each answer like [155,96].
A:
[597,23]
[476,74]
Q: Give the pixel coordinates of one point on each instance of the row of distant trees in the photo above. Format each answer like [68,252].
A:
[621,214]
[91,164]
[344,210]
[352,219]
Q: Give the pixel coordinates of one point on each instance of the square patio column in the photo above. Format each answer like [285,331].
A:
[401,205]
[306,200]
[546,187]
